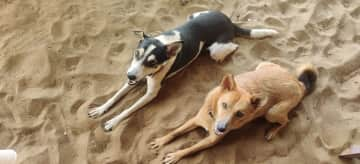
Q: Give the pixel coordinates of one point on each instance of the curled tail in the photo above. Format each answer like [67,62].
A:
[307,74]
[254,33]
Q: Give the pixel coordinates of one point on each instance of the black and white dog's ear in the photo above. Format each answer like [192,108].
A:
[173,48]
[140,34]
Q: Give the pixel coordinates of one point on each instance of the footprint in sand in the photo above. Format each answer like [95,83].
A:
[7,136]
[94,22]
[76,106]
[116,49]
[36,106]
[2,94]
[301,36]
[323,19]
[329,109]
[132,128]
[71,12]
[167,20]
[356,13]
[274,22]
[356,39]
[81,42]
[9,99]
[59,30]
[264,50]
[345,32]
[26,11]
[297,2]
[162,11]
[71,63]
[85,86]
[347,3]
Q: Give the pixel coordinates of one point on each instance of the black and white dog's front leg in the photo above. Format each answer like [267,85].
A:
[98,111]
[153,87]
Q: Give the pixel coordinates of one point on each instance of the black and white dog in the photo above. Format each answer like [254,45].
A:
[160,57]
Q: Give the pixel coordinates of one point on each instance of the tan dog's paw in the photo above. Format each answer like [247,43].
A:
[171,158]
[270,134]
[157,144]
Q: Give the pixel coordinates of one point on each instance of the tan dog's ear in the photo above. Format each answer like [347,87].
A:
[255,101]
[174,48]
[228,82]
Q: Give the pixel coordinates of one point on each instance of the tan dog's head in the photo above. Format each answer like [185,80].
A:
[233,108]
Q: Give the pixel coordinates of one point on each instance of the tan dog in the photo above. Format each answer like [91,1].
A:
[269,91]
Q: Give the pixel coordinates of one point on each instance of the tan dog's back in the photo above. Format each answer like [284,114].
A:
[271,81]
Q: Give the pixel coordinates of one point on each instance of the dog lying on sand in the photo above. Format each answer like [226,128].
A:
[160,57]
[269,91]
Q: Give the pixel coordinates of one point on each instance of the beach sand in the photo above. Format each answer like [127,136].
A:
[57,58]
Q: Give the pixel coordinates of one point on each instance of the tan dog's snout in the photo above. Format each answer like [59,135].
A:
[221,126]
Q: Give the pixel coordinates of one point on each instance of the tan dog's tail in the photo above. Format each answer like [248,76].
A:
[307,74]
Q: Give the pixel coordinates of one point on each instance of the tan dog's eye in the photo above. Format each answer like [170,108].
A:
[239,114]
[224,105]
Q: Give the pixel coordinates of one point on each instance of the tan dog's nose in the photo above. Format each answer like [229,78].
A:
[221,127]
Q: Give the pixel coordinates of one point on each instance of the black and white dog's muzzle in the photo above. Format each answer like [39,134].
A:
[132,82]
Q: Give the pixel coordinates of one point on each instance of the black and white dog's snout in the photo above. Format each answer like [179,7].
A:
[131,77]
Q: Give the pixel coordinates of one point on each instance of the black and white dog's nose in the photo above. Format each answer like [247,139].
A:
[131,77]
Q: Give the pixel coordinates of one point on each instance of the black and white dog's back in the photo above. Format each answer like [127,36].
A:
[157,58]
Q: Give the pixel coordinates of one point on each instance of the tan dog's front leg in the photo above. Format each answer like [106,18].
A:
[188,126]
[209,141]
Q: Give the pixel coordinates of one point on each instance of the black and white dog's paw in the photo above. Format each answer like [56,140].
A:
[108,126]
[96,112]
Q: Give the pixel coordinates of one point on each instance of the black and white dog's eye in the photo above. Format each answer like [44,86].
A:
[137,54]
[152,62]
[224,105]
[239,114]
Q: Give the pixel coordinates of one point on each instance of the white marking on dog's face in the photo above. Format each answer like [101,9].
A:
[151,58]
[137,68]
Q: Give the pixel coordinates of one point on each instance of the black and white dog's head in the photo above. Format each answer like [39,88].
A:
[151,55]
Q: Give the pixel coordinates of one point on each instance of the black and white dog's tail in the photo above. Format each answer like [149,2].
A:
[254,33]
[307,74]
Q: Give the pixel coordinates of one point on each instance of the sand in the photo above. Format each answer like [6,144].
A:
[57,58]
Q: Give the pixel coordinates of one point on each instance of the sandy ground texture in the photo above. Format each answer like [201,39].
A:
[57,57]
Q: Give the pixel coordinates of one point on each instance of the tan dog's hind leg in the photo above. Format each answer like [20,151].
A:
[188,126]
[278,114]
[207,142]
